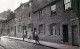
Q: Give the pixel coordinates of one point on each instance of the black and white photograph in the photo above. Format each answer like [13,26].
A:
[39,24]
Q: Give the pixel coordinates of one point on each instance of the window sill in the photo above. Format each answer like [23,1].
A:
[53,14]
[69,9]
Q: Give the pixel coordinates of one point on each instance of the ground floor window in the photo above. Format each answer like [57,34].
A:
[41,28]
[29,27]
[52,29]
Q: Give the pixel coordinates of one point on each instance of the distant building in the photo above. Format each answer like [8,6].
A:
[23,18]
[7,24]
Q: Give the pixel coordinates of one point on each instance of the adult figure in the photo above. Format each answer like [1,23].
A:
[36,38]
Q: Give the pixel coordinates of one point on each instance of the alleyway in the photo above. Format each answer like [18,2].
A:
[16,44]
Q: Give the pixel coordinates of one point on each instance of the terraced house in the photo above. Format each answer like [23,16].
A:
[54,20]
[23,20]
[57,20]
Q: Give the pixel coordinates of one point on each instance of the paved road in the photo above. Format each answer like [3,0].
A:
[16,44]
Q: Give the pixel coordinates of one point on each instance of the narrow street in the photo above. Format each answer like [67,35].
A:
[16,44]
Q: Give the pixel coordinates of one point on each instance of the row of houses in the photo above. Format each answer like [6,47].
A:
[54,20]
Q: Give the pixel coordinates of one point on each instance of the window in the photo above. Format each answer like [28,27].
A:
[40,14]
[29,27]
[67,4]
[29,14]
[52,29]
[22,6]
[22,16]
[40,28]
[53,9]
[29,5]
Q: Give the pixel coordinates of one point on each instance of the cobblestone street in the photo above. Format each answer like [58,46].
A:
[16,44]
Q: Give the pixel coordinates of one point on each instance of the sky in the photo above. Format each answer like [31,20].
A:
[10,4]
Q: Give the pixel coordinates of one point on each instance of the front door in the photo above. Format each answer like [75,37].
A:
[65,33]
[74,35]
[34,33]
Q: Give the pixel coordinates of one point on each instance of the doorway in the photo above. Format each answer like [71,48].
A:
[15,32]
[74,35]
[34,33]
[65,33]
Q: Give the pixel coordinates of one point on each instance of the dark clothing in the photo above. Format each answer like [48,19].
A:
[36,38]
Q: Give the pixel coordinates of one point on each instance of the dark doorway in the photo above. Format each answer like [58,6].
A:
[8,31]
[15,32]
[74,35]
[34,33]
[65,33]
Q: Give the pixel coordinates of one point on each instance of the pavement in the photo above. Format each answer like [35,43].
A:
[49,44]
[17,44]
[1,47]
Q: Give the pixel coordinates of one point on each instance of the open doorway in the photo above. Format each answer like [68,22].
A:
[34,33]
[65,33]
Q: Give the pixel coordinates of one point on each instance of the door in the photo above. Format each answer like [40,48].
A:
[65,33]
[34,33]
[15,32]
[74,35]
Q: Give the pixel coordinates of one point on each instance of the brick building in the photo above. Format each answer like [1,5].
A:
[23,19]
[7,25]
[56,20]
[3,17]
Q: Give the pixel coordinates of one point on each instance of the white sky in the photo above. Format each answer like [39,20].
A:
[10,4]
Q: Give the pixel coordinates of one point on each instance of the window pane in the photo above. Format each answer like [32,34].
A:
[23,7]
[66,1]
[41,29]
[67,5]
[29,4]
[53,7]
[54,29]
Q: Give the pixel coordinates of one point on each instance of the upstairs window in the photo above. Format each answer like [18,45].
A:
[22,6]
[53,9]
[29,5]
[22,16]
[29,14]
[67,4]
[40,14]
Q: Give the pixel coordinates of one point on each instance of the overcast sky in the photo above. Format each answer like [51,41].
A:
[10,4]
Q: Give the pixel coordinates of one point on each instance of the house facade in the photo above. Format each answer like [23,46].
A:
[56,21]
[23,20]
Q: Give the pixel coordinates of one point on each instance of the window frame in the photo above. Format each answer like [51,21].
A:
[53,10]
[29,15]
[41,14]
[41,29]
[51,29]
[29,4]
[68,3]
